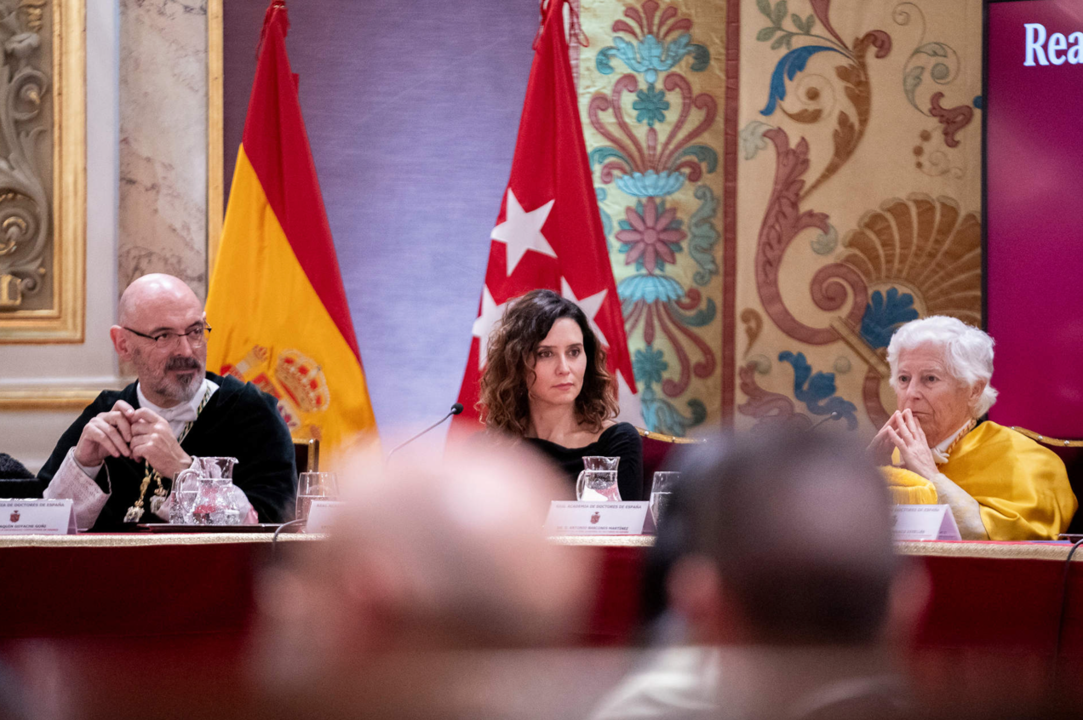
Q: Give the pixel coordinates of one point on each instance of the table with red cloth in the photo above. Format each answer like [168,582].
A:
[992,625]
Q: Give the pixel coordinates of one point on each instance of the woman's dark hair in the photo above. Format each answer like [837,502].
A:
[504,403]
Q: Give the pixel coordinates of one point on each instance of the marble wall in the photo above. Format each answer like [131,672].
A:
[162,221]
[30,435]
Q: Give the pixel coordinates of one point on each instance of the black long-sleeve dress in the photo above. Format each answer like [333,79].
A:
[621,440]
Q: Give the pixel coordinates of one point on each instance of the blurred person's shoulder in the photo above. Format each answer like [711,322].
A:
[675,682]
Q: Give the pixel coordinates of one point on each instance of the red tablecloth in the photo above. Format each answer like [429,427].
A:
[992,622]
[121,591]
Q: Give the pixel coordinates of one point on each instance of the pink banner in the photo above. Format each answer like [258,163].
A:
[1034,164]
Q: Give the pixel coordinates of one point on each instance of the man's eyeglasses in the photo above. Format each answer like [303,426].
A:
[197,336]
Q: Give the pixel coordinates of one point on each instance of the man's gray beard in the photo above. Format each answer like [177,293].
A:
[180,393]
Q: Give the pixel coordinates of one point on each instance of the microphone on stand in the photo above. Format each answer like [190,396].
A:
[835,415]
[455,410]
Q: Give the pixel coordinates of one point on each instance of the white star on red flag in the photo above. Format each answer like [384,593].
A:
[490,316]
[589,305]
[521,230]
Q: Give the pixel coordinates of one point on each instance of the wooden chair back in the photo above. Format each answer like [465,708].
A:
[658,454]
[307,453]
[1071,452]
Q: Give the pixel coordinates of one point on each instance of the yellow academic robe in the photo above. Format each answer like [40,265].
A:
[906,487]
[1022,487]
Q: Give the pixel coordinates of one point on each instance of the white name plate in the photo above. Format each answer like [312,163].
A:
[321,515]
[924,522]
[37,517]
[596,518]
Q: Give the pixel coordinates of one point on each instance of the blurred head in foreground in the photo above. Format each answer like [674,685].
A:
[432,552]
[786,541]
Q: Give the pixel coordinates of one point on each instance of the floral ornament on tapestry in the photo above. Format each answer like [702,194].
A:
[908,258]
[931,67]
[654,128]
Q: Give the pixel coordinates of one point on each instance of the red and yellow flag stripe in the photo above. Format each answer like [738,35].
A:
[276,301]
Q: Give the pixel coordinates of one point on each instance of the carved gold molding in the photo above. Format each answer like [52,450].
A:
[65,321]
[46,399]
[56,397]
[215,124]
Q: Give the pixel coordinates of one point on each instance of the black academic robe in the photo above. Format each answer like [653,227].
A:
[239,421]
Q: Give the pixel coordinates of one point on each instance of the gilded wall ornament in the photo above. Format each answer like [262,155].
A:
[42,170]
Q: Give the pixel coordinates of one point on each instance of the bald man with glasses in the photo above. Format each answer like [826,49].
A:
[118,460]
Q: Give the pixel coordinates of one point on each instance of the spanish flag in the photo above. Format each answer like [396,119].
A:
[276,302]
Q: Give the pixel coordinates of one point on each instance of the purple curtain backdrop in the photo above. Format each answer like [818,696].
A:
[412,111]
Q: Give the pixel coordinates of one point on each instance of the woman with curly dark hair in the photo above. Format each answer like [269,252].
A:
[545,381]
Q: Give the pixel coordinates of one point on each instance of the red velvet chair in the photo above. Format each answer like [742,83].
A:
[1071,452]
[658,454]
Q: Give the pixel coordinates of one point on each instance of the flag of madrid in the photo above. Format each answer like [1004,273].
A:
[548,233]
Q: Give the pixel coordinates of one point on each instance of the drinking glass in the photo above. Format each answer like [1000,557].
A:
[661,492]
[314,486]
[597,486]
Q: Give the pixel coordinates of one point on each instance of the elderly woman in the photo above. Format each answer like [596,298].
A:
[999,484]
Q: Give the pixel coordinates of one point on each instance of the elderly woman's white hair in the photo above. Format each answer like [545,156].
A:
[968,353]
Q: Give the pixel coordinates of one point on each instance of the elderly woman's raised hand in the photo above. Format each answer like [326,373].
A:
[906,434]
[880,448]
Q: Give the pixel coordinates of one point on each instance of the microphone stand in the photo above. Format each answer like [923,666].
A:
[835,415]
[455,410]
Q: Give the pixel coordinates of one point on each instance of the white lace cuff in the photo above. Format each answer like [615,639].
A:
[72,482]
